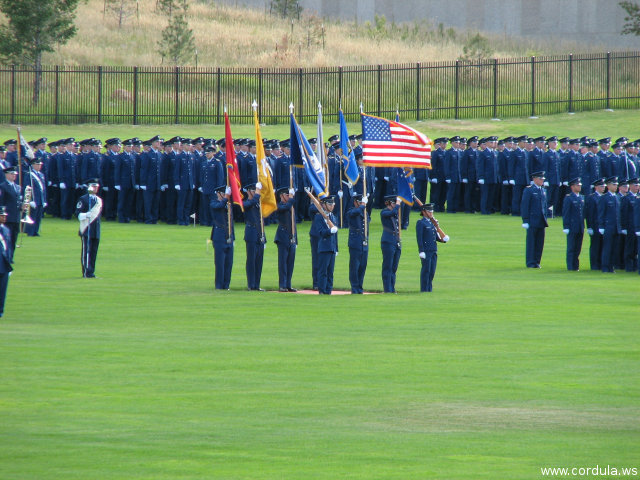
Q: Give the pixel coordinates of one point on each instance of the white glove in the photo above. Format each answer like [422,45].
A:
[365,200]
[340,193]
[445,239]
[163,188]
[525,225]
[512,182]
[137,187]
[143,187]
[336,254]
[177,187]
[590,231]
[601,230]
[334,229]
[448,180]
[434,180]
[292,192]
[481,181]
[117,187]
[624,231]
[386,179]
[227,191]
[49,183]
[45,204]
[200,189]
[505,182]
[62,185]
[375,179]
[258,186]
[106,189]
[464,180]
[546,184]
[77,186]
[82,216]
[637,234]
[422,255]
[566,184]
[32,204]
[565,231]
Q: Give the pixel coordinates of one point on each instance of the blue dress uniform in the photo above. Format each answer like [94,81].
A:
[124,179]
[91,164]
[438,181]
[10,197]
[470,175]
[427,237]
[53,189]
[5,261]
[287,240]
[38,200]
[609,226]
[91,235]
[553,179]
[518,177]
[110,194]
[358,245]
[327,249]
[184,183]
[419,187]
[591,217]
[534,217]
[452,178]
[506,189]
[591,171]
[573,225]
[222,241]
[211,175]
[66,169]
[313,241]
[254,239]
[629,204]
[390,244]
[488,173]
[536,157]
[170,160]
[151,183]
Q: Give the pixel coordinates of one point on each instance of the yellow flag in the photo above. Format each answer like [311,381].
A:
[267,195]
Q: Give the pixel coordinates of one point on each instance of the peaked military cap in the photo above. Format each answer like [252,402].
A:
[622,140]
[113,141]
[540,139]
[128,142]
[328,199]
[613,179]
[575,181]
[522,138]
[357,197]
[390,198]
[604,140]
[598,182]
[40,140]
[155,138]
[552,139]
[172,140]
[3,210]
[282,190]
[574,141]
[539,174]
[333,139]
[427,206]
[564,140]
[10,170]
[634,181]
[11,141]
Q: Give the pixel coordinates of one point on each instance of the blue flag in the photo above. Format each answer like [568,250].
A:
[348,157]
[303,156]
[405,185]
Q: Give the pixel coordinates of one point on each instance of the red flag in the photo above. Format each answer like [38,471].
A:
[233,173]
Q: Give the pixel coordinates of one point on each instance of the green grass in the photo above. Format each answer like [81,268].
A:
[148,373]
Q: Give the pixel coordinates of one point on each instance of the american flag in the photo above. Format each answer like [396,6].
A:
[391,144]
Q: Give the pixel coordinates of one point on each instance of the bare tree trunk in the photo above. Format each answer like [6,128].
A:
[37,79]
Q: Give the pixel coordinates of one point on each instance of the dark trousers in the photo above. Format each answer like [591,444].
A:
[14,229]
[379,192]
[223,257]
[4,283]
[630,252]
[286,260]
[487,198]
[170,205]
[253,267]
[574,247]
[390,259]
[619,251]
[516,199]
[326,264]
[553,199]
[506,192]
[609,244]
[33,229]
[110,204]
[89,255]
[472,197]
[53,201]
[405,211]
[301,205]
[183,207]
[139,202]
[67,199]
[428,271]
[205,210]
[314,260]
[358,258]
[420,191]
[453,197]
[125,204]
[151,205]
[438,195]
[595,251]
[535,245]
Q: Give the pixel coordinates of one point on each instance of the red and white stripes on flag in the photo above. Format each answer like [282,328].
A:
[391,144]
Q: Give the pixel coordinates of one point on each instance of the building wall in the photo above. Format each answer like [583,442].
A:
[597,23]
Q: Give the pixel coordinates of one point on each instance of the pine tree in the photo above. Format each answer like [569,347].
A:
[177,43]
[632,27]
[286,8]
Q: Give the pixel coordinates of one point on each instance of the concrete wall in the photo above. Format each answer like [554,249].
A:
[597,23]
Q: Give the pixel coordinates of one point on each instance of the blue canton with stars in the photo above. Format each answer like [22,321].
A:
[375,129]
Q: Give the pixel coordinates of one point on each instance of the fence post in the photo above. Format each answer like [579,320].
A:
[135,95]
[300,102]
[339,84]
[259,95]
[570,82]
[379,90]
[608,80]
[495,88]
[457,89]
[218,97]
[13,93]
[177,96]
[57,96]
[418,91]
[100,94]
[533,86]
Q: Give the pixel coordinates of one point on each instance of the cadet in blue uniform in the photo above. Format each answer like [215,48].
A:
[253,236]
[38,197]
[518,174]
[222,236]
[184,183]
[151,180]
[124,179]
[66,168]
[10,197]
[591,217]
[573,223]
[390,242]
[210,176]
[327,245]
[88,211]
[452,174]
[5,257]
[107,168]
[313,241]
[488,176]
[427,237]
[630,203]
[358,242]
[534,219]
[286,239]
[609,224]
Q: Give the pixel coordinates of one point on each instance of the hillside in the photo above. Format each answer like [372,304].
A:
[229,36]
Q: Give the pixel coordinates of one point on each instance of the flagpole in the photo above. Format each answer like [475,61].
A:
[20,159]
[341,184]
[255,111]
[325,165]
[364,194]
[228,199]
[293,213]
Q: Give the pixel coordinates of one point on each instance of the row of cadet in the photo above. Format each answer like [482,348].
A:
[611,213]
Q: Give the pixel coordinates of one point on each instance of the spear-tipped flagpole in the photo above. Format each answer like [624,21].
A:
[361,108]
[254,105]
[293,215]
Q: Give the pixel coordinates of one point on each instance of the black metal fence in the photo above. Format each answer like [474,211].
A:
[421,91]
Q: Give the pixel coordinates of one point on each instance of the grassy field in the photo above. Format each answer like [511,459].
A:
[147,373]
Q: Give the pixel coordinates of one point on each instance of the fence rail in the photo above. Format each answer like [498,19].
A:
[420,91]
